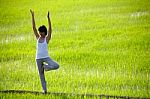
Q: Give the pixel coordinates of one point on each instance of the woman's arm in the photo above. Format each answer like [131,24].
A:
[49,29]
[33,25]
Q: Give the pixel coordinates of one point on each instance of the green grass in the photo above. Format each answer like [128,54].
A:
[102,46]
[31,96]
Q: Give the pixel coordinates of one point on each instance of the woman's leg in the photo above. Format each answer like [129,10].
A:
[41,73]
[50,64]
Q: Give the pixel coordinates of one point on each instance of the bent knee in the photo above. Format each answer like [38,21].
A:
[57,66]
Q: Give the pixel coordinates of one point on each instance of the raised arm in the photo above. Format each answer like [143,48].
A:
[49,29]
[33,25]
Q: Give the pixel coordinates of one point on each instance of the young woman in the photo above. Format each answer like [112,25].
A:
[43,61]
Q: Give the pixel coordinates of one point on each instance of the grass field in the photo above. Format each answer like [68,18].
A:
[102,46]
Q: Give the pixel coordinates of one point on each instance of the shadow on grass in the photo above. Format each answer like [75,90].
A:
[69,94]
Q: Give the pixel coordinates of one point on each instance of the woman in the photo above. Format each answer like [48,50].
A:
[43,61]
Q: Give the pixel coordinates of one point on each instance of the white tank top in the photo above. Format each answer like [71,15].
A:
[42,49]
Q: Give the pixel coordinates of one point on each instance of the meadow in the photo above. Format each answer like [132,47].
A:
[102,46]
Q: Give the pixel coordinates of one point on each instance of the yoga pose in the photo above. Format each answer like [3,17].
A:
[43,61]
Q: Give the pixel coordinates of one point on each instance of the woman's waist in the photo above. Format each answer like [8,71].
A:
[42,52]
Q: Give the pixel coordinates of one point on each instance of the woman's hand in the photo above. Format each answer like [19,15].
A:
[49,28]
[33,25]
[32,12]
[48,15]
